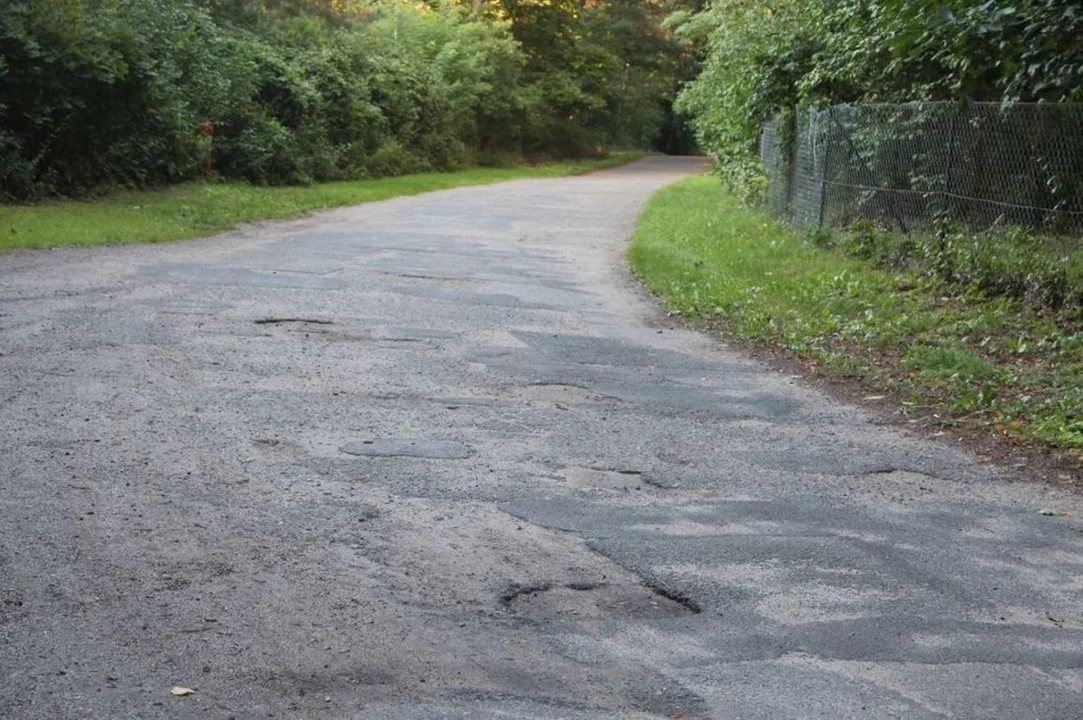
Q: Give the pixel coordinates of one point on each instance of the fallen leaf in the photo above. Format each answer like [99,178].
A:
[182,691]
[1055,513]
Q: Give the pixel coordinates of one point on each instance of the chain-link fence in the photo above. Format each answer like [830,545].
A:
[902,166]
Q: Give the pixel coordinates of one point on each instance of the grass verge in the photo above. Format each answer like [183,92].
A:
[197,209]
[948,357]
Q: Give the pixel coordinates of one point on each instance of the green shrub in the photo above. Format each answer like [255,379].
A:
[1012,262]
[764,58]
[1001,262]
[116,92]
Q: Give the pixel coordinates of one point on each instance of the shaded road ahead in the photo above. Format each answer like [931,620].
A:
[438,457]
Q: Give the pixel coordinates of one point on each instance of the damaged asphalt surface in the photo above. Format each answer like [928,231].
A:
[439,457]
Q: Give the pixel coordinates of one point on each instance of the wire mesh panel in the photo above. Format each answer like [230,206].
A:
[776,165]
[902,166]
[807,187]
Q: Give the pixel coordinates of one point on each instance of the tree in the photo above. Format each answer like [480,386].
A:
[763,58]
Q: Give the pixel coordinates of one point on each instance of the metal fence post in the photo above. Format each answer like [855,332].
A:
[825,154]
[950,169]
[791,164]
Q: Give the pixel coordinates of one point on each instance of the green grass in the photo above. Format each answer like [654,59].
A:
[948,354]
[197,209]
[935,361]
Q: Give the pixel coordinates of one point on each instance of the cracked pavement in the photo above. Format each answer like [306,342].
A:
[439,457]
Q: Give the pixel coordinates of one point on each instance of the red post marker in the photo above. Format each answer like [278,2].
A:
[208,164]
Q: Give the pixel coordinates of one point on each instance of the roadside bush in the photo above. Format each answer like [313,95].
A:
[762,59]
[1012,262]
[99,93]
[89,98]
[1009,262]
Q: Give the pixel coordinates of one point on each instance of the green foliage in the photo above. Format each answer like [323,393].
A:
[100,93]
[756,52]
[603,72]
[947,362]
[763,58]
[87,97]
[1004,261]
[1012,262]
[966,358]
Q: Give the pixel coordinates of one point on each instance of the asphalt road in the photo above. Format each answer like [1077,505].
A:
[439,457]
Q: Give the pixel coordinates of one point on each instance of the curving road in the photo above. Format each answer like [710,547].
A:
[438,457]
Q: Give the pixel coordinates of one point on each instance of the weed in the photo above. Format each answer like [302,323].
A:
[947,362]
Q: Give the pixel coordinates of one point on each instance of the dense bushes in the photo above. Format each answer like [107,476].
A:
[105,92]
[117,92]
[763,58]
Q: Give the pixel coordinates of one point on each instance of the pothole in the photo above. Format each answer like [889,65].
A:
[412,334]
[277,446]
[430,449]
[561,393]
[595,601]
[675,596]
[595,478]
[280,321]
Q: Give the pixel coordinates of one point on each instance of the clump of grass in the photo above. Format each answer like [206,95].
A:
[859,306]
[947,362]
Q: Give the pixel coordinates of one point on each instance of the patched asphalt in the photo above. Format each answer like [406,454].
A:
[440,457]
